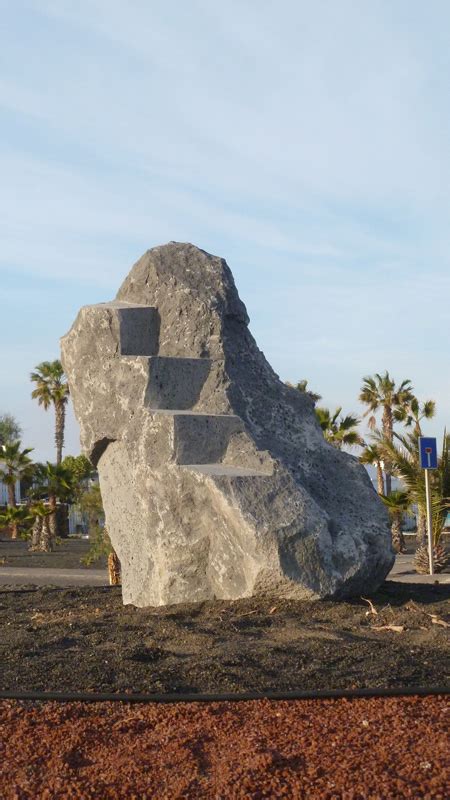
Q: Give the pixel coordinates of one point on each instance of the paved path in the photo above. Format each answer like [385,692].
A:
[46,576]
[403,572]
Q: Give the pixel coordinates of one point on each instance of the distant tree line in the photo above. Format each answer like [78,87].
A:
[393,453]
[50,486]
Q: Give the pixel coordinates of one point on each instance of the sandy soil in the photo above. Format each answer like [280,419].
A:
[85,639]
[377,749]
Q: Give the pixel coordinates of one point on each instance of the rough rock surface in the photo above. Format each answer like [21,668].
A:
[215,476]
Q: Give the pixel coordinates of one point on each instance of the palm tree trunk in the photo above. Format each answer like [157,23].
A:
[46,536]
[12,504]
[114,569]
[421,528]
[388,431]
[398,540]
[36,534]
[11,495]
[52,521]
[60,419]
[380,480]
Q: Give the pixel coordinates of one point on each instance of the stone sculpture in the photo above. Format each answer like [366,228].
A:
[215,476]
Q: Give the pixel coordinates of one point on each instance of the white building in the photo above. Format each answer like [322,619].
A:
[4,493]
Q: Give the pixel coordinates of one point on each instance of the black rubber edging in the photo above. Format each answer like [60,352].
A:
[319,694]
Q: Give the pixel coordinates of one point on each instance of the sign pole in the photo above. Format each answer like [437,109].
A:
[429,521]
[428,459]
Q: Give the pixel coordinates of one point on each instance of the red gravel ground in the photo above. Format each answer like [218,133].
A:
[348,749]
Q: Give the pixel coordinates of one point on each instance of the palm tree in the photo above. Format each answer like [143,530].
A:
[14,465]
[440,501]
[339,430]
[302,386]
[10,430]
[52,389]
[13,517]
[403,454]
[40,532]
[101,545]
[55,482]
[372,455]
[380,392]
[442,487]
[397,504]
[414,412]
[82,473]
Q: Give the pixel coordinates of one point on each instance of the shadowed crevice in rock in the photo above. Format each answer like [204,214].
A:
[98,449]
[217,481]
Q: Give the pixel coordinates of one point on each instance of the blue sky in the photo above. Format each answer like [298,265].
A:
[306,142]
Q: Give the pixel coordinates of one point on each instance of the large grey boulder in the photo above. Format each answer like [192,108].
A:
[215,476]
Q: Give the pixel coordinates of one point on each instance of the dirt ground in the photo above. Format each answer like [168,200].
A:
[84,639]
[67,555]
[69,552]
[363,749]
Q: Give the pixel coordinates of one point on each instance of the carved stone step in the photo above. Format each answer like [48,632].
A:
[138,330]
[122,328]
[175,384]
[203,438]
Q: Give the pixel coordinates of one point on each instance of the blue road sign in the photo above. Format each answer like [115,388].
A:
[428,452]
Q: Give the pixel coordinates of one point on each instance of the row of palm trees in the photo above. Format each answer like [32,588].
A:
[66,480]
[390,452]
[52,481]
[394,453]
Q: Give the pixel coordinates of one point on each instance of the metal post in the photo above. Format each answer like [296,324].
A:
[429,521]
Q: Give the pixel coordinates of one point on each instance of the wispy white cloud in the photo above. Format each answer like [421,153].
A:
[306,142]
[316,100]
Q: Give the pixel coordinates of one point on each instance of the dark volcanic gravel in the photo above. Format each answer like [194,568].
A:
[364,749]
[86,640]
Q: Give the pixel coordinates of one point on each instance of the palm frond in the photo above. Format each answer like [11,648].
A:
[339,430]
